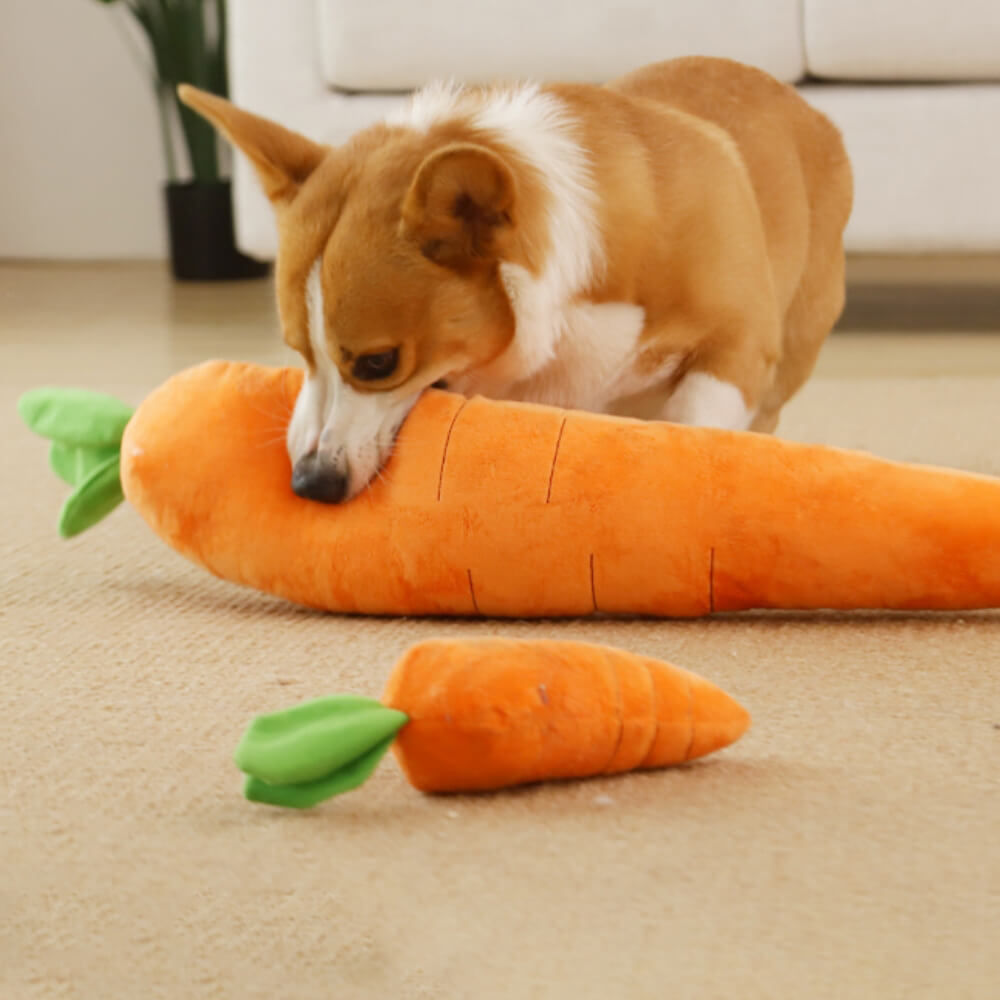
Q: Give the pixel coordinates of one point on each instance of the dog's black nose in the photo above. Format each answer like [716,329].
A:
[316,479]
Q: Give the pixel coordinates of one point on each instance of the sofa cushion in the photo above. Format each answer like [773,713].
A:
[925,159]
[402,44]
[903,40]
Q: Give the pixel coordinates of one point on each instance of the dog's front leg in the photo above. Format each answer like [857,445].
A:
[703,400]
[725,383]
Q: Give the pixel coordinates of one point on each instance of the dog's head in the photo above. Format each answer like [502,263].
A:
[387,277]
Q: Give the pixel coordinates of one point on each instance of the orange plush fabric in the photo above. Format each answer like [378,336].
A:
[490,713]
[490,508]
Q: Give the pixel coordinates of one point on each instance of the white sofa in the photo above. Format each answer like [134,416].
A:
[914,85]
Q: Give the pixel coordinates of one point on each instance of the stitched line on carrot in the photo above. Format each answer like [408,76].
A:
[711,581]
[656,718]
[552,471]
[444,453]
[687,752]
[620,711]
[472,592]
[593,591]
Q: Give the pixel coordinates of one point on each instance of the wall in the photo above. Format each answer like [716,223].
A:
[80,157]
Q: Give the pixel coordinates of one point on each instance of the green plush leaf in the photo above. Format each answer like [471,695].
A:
[75,416]
[310,793]
[311,741]
[93,499]
[74,464]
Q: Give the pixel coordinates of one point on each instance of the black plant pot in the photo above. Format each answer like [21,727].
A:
[202,244]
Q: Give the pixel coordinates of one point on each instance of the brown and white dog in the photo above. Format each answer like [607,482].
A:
[678,230]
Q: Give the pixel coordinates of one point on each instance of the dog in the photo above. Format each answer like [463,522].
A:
[676,231]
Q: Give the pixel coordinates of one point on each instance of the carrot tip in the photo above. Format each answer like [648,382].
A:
[719,720]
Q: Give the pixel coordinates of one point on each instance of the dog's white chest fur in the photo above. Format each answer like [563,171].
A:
[582,356]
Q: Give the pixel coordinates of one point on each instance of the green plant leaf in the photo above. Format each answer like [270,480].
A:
[220,78]
[75,416]
[188,44]
[311,741]
[311,793]
[73,464]
[193,50]
[93,499]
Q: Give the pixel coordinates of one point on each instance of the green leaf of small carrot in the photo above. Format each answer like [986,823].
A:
[93,499]
[75,416]
[311,793]
[311,741]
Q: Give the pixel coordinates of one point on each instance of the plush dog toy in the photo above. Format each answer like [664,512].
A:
[472,715]
[494,508]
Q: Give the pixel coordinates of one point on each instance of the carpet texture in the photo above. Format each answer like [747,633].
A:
[846,847]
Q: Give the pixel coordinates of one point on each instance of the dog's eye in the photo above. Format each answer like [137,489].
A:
[371,367]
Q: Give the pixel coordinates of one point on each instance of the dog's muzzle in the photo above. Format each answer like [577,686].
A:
[321,478]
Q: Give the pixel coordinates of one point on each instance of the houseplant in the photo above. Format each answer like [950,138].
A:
[187,42]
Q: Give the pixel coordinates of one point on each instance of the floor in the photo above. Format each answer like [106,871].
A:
[846,847]
[948,310]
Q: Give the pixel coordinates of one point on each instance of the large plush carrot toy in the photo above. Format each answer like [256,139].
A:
[490,508]
[465,715]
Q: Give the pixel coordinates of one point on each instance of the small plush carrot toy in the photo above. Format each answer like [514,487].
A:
[472,715]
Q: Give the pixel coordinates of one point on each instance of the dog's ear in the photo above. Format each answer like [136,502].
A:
[461,205]
[283,159]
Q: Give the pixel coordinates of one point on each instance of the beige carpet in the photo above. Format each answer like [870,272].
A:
[846,847]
